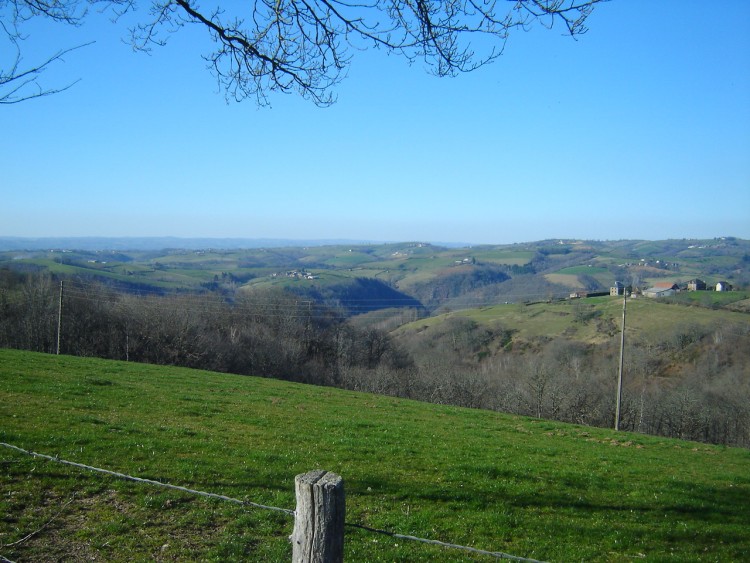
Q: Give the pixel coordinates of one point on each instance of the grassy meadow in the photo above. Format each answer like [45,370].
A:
[528,487]
[602,318]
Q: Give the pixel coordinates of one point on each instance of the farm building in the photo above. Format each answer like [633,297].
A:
[655,291]
[617,289]
[696,285]
[723,286]
[667,285]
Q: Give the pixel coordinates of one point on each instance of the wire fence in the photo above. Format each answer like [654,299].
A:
[288,512]
[146,481]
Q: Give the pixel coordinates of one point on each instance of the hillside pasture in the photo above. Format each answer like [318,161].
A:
[129,274]
[567,280]
[524,486]
[583,270]
[503,256]
[594,319]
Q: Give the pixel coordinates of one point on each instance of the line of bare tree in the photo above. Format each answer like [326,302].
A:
[459,362]
[273,334]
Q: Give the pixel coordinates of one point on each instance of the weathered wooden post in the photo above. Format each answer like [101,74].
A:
[318,535]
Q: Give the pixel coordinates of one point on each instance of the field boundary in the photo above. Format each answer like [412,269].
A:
[293,513]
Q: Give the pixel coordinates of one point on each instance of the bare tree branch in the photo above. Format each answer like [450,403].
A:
[35,532]
[18,85]
[303,46]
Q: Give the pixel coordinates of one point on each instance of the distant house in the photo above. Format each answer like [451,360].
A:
[667,285]
[723,286]
[579,294]
[655,292]
[617,289]
[696,285]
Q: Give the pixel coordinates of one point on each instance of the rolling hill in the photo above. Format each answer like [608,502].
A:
[440,277]
[519,485]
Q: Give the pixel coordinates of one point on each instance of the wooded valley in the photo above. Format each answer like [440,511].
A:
[475,332]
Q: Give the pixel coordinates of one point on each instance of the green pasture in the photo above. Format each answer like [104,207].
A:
[711,298]
[569,276]
[405,264]
[527,487]
[567,280]
[349,258]
[74,269]
[583,270]
[125,273]
[594,319]
[502,256]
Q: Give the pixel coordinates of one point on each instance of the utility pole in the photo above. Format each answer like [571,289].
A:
[622,358]
[59,317]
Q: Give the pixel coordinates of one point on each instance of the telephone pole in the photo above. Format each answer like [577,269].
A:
[59,317]
[622,358]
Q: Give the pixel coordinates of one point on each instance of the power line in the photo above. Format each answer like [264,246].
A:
[287,306]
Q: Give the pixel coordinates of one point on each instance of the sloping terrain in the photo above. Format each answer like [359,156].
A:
[523,486]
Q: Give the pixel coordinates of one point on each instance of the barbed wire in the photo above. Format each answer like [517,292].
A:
[56,459]
[495,554]
[148,481]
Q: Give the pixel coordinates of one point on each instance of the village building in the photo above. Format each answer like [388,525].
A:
[723,286]
[617,289]
[696,285]
[667,285]
[655,292]
[661,289]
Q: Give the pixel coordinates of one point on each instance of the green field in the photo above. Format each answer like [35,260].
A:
[500,256]
[646,318]
[523,486]
[711,298]
[583,270]
[408,267]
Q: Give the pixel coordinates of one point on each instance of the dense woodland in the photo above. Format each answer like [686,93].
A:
[692,383]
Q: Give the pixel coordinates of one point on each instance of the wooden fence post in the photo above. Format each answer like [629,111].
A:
[318,535]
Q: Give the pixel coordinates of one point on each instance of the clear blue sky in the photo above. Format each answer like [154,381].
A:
[640,129]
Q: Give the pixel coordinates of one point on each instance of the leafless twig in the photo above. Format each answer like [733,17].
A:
[35,532]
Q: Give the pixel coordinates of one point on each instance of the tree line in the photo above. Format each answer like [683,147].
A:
[273,333]
[458,362]
[692,383]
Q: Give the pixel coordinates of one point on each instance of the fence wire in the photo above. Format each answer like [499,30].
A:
[495,554]
[149,481]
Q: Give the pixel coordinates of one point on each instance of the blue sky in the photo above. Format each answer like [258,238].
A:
[639,129]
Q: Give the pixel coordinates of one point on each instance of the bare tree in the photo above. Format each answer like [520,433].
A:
[304,46]
[19,82]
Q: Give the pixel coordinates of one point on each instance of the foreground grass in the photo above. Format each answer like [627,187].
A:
[528,487]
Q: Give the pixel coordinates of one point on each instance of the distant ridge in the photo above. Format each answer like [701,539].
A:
[122,244]
[161,243]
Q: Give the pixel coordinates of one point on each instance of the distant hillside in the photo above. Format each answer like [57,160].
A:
[159,243]
[422,276]
[499,328]
[596,320]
